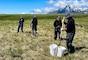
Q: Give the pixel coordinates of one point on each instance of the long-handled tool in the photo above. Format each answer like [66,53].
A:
[63,26]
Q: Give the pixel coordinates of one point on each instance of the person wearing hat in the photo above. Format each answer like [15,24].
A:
[70,29]
[21,21]
[57,27]
[34,24]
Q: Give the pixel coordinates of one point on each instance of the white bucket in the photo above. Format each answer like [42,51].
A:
[53,49]
[57,51]
[61,51]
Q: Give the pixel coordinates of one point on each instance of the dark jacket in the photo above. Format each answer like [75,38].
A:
[57,24]
[34,21]
[70,25]
[21,21]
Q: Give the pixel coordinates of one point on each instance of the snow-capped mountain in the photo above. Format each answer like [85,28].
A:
[68,9]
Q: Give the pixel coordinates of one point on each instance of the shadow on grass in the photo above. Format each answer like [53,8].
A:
[77,49]
[66,54]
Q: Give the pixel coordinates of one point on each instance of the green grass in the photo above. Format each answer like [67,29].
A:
[24,46]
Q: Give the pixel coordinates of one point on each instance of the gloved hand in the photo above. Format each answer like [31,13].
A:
[61,29]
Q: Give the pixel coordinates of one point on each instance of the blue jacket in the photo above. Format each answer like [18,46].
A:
[21,22]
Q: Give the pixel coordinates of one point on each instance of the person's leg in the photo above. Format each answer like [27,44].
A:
[55,35]
[72,36]
[35,30]
[22,28]
[70,47]
[68,44]
[69,39]
[18,28]
[32,30]
[59,34]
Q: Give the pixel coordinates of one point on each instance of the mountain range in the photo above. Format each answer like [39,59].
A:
[68,9]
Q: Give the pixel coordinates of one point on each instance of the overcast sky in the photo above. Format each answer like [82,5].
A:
[38,6]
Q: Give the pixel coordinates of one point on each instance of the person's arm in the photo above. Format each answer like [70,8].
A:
[68,27]
[54,24]
[31,23]
[23,19]
[63,29]
[60,24]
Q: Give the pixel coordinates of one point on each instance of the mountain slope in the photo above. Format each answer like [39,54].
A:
[68,9]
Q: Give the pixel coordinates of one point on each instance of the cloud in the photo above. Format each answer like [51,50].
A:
[75,3]
[51,2]
[37,11]
[43,10]
[58,4]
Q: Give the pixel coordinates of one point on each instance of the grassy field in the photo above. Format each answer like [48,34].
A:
[24,46]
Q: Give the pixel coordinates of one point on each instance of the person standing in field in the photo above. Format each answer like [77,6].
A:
[34,24]
[20,24]
[57,27]
[70,29]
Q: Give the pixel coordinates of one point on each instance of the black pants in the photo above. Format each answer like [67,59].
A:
[19,28]
[69,40]
[57,34]
[34,30]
